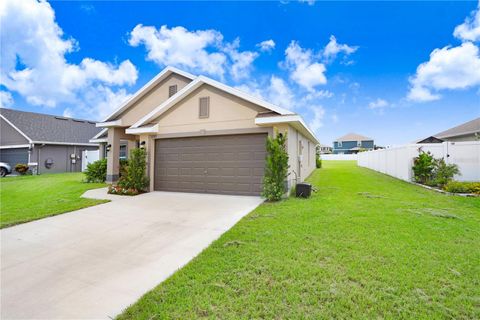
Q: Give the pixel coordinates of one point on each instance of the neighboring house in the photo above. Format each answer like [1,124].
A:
[468,131]
[204,136]
[352,143]
[324,149]
[47,143]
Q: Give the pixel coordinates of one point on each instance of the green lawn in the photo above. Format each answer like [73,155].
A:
[29,198]
[364,246]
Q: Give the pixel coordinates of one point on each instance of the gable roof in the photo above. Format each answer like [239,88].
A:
[200,80]
[146,88]
[469,127]
[353,137]
[44,128]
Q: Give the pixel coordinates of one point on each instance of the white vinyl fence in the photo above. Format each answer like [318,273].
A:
[89,156]
[348,157]
[398,161]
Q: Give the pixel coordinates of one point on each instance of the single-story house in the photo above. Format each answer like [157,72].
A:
[324,149]
[47,143]
[352,143]
[204,136]
[468,131]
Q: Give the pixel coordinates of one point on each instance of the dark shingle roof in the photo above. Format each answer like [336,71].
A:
[354,137]
[463,129]
[44,127]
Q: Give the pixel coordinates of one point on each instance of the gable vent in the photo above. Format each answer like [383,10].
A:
[172,90]
[204,107]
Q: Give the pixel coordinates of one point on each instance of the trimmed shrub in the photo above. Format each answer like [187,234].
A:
[443,172]
[21,168]
[276,167]
[423,166]
[318,161]
[462,187]
[96,171]
[134,175]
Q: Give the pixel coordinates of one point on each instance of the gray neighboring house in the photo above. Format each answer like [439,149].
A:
[47,143]
[352,143]
[468,131]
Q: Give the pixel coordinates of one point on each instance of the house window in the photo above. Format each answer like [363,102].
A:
[204,107]
[309,153]
[123,151]
[339,144]
[359,143]
[172,90]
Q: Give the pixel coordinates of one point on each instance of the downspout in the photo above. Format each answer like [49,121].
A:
[38,158]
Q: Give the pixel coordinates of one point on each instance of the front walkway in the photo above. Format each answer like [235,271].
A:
[94,262]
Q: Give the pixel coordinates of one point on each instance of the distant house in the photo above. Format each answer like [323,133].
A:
[352,143]
[324,149]
[47,143]
[468,131]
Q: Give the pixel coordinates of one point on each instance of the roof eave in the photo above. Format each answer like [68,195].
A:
[295,120]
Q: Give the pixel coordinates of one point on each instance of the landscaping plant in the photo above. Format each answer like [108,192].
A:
[318,161]
[134,177]
[276,167]
[443,172]
[96,171]
[423,166]
[21,168]
[462,187]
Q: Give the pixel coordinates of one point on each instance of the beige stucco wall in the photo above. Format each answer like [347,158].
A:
[152,99]
[226,112]
[300,167]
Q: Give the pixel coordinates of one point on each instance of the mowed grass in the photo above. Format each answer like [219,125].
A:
[28,198]
[365,246]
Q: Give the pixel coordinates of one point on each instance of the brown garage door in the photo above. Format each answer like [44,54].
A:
[231,164]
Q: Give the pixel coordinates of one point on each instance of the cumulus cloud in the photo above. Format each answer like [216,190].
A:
[275,90]
[316,121]
[333,48]
[266,46]
[378,104]
[470,29]
[303,67]
[181,47]
[448,68]
[6,99]
[202,51]
[34,65]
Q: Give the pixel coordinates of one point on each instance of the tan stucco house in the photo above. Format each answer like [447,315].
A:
[203,136]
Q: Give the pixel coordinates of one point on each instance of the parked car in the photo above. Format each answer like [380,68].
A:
[5,169]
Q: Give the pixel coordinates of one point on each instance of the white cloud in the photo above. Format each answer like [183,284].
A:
[6,99]
[181,47]
[333,48]
[378,104]
[470,29]
[448,68]
[34,65]
[316,121]
[242,61]
[304,70]
[275,91]
[266,46]
[334,118]
[309,2]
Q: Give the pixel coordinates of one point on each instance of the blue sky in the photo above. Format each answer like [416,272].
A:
[89,56]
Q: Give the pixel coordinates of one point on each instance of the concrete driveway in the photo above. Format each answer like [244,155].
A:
[94,262]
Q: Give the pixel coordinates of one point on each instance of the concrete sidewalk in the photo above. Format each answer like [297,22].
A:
[94,262]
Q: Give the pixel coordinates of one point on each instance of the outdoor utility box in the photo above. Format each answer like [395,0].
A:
[303,190]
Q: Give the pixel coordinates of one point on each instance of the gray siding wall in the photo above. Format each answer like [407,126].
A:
[60,155]
[10,136]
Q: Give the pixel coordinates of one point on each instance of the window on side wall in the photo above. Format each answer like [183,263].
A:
[309,153]
[339,144]
[359,143]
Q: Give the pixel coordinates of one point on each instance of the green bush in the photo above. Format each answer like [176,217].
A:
[318,161]
[462,187]
[134,177]
[21,168]
[443,172]
[423,166]
[276,167]
[96,171]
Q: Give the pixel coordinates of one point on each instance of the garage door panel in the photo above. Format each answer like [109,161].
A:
[218,164]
